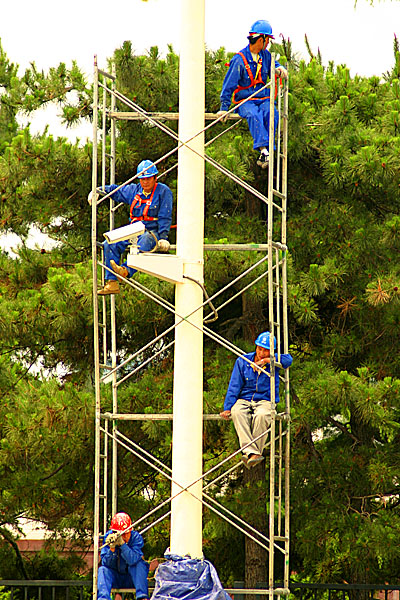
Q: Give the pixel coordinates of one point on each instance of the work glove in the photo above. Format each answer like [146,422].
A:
[114,539]
[163,245]
[99,192]
[282,72]
[222,112]
[90,197]
[119,541]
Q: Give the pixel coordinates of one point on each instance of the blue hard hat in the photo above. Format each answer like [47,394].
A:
[262,28]
[150,171]
[263,340]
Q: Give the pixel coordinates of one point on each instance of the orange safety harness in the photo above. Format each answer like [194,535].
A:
[139,201]
[253,80]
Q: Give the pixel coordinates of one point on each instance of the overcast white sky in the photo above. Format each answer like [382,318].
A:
[49,32]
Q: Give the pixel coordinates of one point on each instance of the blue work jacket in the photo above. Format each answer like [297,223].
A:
[160,208]
[124,556]
[237,75]
[249,384]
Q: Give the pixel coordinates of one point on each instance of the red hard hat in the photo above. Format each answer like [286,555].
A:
[120,522]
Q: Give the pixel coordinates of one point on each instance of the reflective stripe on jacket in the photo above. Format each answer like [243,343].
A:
[253,80]
[137,202]
[238,76]
[158,212]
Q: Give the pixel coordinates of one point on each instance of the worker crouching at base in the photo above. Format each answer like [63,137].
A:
[149,202]
[248,399]
[122,563]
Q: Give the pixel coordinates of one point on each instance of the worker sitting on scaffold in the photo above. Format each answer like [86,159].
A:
[248,72]
[248,399]
[149,202]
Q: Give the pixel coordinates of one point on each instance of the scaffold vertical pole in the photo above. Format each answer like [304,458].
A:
[114,477]
[285,119]
[271,565]
[186,510]
[96,531]
[271,319]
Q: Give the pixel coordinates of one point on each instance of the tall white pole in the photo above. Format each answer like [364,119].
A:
[186,517]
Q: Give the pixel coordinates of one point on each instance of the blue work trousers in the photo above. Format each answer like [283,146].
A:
[257,116]
[146,242]
[135,578]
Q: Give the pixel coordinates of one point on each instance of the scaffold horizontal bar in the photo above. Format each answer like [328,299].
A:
[253,247]
[256,592]
[151,417]
[107,75]
[240,247]
[279,194]
[252,592]
[243,247]
[163,416]
[126,590]
[137,116]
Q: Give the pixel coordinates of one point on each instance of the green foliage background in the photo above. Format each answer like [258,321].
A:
[344,311]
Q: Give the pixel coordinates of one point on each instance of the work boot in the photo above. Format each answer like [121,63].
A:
[111,287]
[254,459]
[123,271]
[263,159]
[245,460]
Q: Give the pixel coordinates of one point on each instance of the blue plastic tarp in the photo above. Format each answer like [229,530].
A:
[187,579]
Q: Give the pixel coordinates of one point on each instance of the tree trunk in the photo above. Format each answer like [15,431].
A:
[252,308]
[254,321]
[256,558]
[254,206]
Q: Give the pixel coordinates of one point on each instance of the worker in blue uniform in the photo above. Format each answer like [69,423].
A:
[248,399]
[122,563]
[248,72]
[149,202]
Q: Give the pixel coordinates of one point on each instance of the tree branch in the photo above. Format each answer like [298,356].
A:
[20,562]
[343,429]
[54,472]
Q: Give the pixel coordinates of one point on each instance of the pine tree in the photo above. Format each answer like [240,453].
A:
[343,300]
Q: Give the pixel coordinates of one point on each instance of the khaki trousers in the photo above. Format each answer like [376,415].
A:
[251,419]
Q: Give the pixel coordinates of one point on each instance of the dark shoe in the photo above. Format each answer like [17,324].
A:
[111,287]
[123,271]
[263,160]
[254,459]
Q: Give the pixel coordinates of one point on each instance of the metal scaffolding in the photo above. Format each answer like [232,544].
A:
[108,437]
